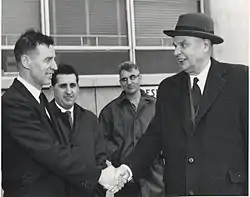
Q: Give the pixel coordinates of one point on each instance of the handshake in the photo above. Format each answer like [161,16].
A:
[113,179]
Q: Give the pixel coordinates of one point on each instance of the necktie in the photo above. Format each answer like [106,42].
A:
[196,94]
[44,103]
[68,113]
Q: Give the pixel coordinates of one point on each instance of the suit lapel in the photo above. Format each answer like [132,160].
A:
[62,128]
[26,93]
[215,82]
[77,119]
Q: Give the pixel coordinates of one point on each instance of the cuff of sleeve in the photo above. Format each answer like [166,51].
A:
[129,170]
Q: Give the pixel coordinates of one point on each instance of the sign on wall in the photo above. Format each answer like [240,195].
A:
[150,90]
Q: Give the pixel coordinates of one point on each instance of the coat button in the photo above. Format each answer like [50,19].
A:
[191,192]
[191,160]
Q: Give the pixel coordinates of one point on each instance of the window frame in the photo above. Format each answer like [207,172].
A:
[99,79]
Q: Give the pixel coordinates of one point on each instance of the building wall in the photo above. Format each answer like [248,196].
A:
[231,23]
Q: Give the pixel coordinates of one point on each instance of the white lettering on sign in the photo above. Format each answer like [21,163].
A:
[150,90]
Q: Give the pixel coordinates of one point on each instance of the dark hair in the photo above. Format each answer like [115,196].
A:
[63,69]
[29,41]
[128,66]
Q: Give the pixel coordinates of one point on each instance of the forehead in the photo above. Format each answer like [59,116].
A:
[66,78]
[44,51]
[125,73]
[189,39]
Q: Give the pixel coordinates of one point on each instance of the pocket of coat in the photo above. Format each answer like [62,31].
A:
[237,176]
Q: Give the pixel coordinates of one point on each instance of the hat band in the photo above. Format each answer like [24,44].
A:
[192,29]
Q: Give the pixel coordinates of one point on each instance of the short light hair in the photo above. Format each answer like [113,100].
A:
[128,66]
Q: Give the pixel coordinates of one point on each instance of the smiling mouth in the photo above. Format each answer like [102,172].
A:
[181,60]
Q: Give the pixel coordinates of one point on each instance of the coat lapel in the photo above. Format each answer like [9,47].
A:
[215,82]
[62,129]
[77,119]
[26,93]
[181,101]
[188,119]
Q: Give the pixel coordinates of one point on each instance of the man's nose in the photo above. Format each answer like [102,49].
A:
[68,90]
[54,65]
[129,81]
[177,51]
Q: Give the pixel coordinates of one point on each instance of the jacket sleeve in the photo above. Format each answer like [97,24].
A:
[25,126]
[100,152]
[148,146]
[106,123]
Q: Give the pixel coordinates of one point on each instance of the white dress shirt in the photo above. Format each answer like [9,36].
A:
[202,77]
[64,110]
[33,90]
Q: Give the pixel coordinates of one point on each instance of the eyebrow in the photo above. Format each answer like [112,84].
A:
[49,58]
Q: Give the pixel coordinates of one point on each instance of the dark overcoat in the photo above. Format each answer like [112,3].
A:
[206,154]
[85,134]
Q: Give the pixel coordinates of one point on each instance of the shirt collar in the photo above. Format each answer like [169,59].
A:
[202,77]
[144,96]
[64,110]
[33,90]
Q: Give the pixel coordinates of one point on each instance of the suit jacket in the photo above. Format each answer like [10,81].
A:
[206,155]
[35,158]
[86,134]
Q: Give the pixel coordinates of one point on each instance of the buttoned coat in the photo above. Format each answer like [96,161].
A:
[35,158]
[206,154]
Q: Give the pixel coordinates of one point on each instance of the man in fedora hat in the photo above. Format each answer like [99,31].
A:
[201,119]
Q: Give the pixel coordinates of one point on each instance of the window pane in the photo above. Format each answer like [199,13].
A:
[157,61]
[93,63]
[18,16]
[8,61]
[91,23]
[153,16]
[86,63]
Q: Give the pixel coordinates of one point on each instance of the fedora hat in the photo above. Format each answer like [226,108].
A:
[195,25]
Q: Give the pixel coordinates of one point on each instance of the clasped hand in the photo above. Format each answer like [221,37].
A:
[114,179]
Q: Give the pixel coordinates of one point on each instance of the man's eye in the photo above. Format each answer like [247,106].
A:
[72,85]
[63,86]
[124,79]
[132,77]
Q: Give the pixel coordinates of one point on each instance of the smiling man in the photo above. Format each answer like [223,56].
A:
[36,158]
[201,118]
[78,126]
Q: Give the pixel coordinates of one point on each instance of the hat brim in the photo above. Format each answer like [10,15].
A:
[214,39]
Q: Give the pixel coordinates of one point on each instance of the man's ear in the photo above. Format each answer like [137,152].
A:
[25,60]
[207,44]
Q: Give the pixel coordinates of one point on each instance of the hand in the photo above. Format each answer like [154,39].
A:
[123,174]
[107,178]
[110,180]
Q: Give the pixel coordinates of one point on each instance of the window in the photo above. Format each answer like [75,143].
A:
[153,16]
[93,63]
[88,22]
[19,15]
[97,35]
[156,61]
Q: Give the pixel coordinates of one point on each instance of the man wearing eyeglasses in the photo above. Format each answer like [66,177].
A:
[124,120]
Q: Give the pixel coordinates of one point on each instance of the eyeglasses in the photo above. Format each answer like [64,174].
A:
[131,77]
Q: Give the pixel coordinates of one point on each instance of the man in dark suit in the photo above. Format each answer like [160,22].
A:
[78,125]
[35,158]
[201,127]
